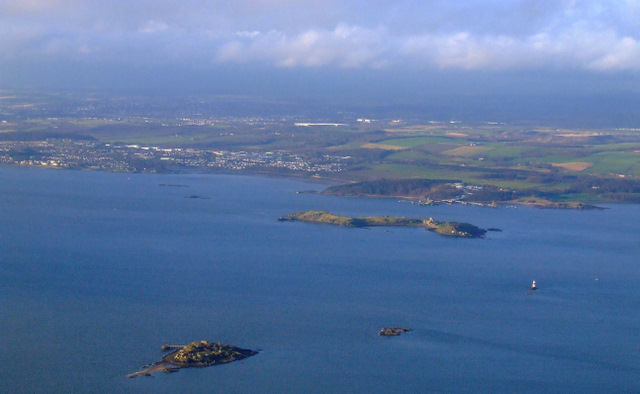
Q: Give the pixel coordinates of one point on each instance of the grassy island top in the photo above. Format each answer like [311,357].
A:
[203,353]
[196,354]
[451,229]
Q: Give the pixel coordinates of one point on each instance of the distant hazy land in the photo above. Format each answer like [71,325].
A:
[431,161]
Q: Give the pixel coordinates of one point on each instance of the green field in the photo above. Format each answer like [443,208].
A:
[623,163]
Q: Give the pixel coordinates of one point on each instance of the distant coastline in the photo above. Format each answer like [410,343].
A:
[427,160]
[437,192]
[337,187]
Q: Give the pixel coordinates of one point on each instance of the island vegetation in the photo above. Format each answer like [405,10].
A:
[450,229]
[196,354]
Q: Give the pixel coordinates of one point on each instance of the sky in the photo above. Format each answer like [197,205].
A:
[403,49]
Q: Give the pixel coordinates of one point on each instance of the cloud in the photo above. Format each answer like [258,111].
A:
[576,47]
[248,34]
[579,47]
[11,8]
[153,26]
[585,35]
[345,46]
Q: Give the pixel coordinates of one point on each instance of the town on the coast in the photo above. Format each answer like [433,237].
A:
[65,153]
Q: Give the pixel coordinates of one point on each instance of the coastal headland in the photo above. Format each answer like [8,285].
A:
[437,192]
[449,229]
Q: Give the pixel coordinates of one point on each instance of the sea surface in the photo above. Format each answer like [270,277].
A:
[99,270]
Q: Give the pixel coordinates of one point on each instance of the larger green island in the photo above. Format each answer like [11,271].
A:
[449,229]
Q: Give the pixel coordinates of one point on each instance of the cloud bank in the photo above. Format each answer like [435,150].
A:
[574,47]
[494,35]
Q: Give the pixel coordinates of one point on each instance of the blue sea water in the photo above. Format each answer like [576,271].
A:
[99,270]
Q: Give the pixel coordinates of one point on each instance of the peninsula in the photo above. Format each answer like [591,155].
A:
[435,192]
[196,354]
[450,229]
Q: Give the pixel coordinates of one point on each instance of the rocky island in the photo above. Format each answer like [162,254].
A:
[450,229]
[196,354]
[393,331]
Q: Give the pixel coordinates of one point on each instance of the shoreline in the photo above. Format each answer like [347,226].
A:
[155,367]
[331,181]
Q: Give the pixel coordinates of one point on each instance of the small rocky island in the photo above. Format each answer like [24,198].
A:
[450,229]
[393,331]
[197,354]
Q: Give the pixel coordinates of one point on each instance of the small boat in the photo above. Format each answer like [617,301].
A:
[533,286]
